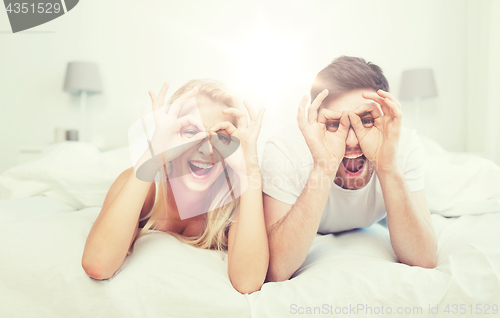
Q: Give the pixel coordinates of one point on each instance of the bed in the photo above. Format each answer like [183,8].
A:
[49,205]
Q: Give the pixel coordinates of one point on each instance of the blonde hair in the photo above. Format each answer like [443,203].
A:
[219,217]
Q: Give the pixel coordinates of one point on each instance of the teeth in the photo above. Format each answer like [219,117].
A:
[353,156]
[201,165]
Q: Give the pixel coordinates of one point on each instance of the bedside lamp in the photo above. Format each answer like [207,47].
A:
[82,78]
[417,84]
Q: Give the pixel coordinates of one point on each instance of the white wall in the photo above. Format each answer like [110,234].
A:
[483,82]
[270,51]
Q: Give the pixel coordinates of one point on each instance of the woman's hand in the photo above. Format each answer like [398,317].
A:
[327,148]
[172,135]
[246,135]
[379,143]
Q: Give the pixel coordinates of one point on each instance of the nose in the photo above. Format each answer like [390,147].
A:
[352,140]
[205,148]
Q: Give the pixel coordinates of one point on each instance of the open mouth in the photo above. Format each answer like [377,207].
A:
[200,169]
[354,165]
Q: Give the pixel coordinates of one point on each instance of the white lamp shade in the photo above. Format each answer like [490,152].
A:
[417,83]
[82,76]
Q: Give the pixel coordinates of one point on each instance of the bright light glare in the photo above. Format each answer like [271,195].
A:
[269,63]
[266,62]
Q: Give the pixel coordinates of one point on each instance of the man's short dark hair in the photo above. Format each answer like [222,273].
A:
[347,73]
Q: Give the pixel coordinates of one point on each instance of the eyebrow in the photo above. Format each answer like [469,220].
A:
[365,114]
[332,119]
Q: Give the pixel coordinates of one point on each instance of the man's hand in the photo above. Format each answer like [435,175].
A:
[327,148]
[379,140]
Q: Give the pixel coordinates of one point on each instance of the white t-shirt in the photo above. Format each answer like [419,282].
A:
[287,163]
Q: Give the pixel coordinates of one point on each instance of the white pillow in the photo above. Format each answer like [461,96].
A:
[80,175]
[76,173]
[459,183]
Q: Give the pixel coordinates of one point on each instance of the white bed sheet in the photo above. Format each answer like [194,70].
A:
[41,273]
[359,268]
[50,205]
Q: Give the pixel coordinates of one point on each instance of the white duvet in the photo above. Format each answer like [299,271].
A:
[50,205]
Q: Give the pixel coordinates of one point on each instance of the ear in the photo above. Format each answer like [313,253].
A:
[325,113]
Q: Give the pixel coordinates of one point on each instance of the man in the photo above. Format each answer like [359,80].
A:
[349,165]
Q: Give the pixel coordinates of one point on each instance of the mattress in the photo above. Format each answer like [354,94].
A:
[41,273]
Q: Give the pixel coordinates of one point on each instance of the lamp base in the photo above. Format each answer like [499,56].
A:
[72,135]
[83,117]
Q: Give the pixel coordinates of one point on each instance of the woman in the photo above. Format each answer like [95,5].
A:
[193,149]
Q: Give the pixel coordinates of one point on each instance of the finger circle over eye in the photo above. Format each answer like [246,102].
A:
[240,115]
[190,120]
[225,125]
[354,119]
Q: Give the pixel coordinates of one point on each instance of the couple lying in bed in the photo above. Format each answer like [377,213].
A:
[347,165]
